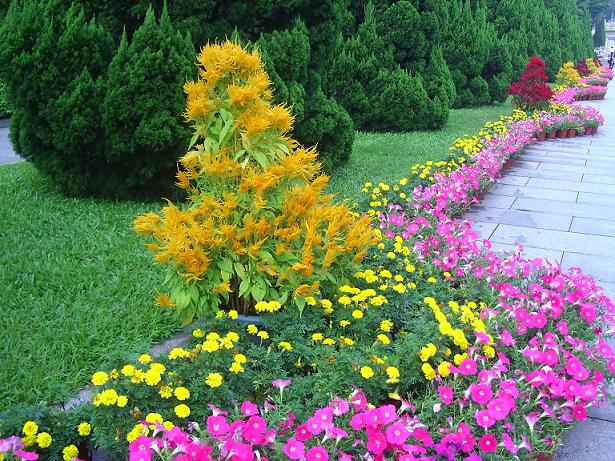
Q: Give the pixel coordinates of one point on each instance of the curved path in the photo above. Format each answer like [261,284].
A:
[558,202]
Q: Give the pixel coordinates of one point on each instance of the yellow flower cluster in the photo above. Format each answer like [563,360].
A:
[468,318]
[267,306]
[567,76]
[33,437]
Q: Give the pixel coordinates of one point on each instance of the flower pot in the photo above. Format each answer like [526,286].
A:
[588,130]
[508,164]
[562,133]
[551,134]
[581,132]
[541,457]
[572,132]
[542,136]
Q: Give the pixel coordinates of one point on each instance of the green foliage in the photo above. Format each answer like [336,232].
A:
[318,119]
[143,103]
[5,106]
[600,33]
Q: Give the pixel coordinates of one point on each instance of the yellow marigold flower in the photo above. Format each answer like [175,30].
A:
[154,418]
[378,300]
[214,380]
[428,371]
[445,328]
[263,334]
[44,439]
[347,341]
[386,326]
[393,374]
[158,367]
[113,374]
[328,342]
[145,358]
[166,392]
[84,429]
[212,336]
[344,300]
[236,368]
[70,452]
[128,370]
[232,336]
[108,397]
[168,425]
[459,358]
[29,441]
[181,393]
[399,288]
[30,428]
[489,351]
[122,400]
[210,346]
[219,314]
[252,329]
[444,369]
[152,377]
[198,333]
[431,280]
[182,411]
[178,352]
[233,314]
[344,323]
[367,372]
[99,378]
[326,303]
[357,314]
[286,346]
[317,337]
[310,300]
[240,358]
[384,339]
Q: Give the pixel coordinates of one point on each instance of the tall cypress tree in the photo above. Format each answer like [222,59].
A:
[600,33]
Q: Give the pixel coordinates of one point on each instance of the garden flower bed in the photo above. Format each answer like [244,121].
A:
[431,348]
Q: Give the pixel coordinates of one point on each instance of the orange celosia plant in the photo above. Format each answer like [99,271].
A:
[257,225]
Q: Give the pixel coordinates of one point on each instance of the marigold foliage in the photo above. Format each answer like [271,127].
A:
[257,224]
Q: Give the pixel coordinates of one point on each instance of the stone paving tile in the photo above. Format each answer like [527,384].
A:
[497,201]
[575,169]
[484,229]
[593,226]
[571,185]
[597,199]
[582,210]
[555,240]
[609,290]
[567,176]
[557,160]
[592,440]
[520,218]
[514,180]
[528,165]
[530,252]
[599,267]
[535,192]
[599,178]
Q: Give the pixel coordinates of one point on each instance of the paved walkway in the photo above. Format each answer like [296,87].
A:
[558,202]
[7,155]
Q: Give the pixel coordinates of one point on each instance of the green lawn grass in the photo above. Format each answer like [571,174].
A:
[389,156]
[78,284]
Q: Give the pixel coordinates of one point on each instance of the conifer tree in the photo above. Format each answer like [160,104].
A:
[600,33]
[144,102]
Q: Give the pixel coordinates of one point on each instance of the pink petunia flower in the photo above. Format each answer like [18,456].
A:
[294,449]
[481,393]
[446,394]
[317,453]
[488,443]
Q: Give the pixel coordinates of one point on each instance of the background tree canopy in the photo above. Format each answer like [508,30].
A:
[95,87]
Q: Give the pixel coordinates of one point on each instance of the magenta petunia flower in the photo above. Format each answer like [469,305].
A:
[249,409]
[579,412]
[498,409]
[468,366]
[488,443]
[317,453]
[397,434]
[446,394]
[481,393]
[294,449]
[484,419]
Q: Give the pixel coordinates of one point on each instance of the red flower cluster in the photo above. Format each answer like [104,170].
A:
[582,68]
[531,92]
